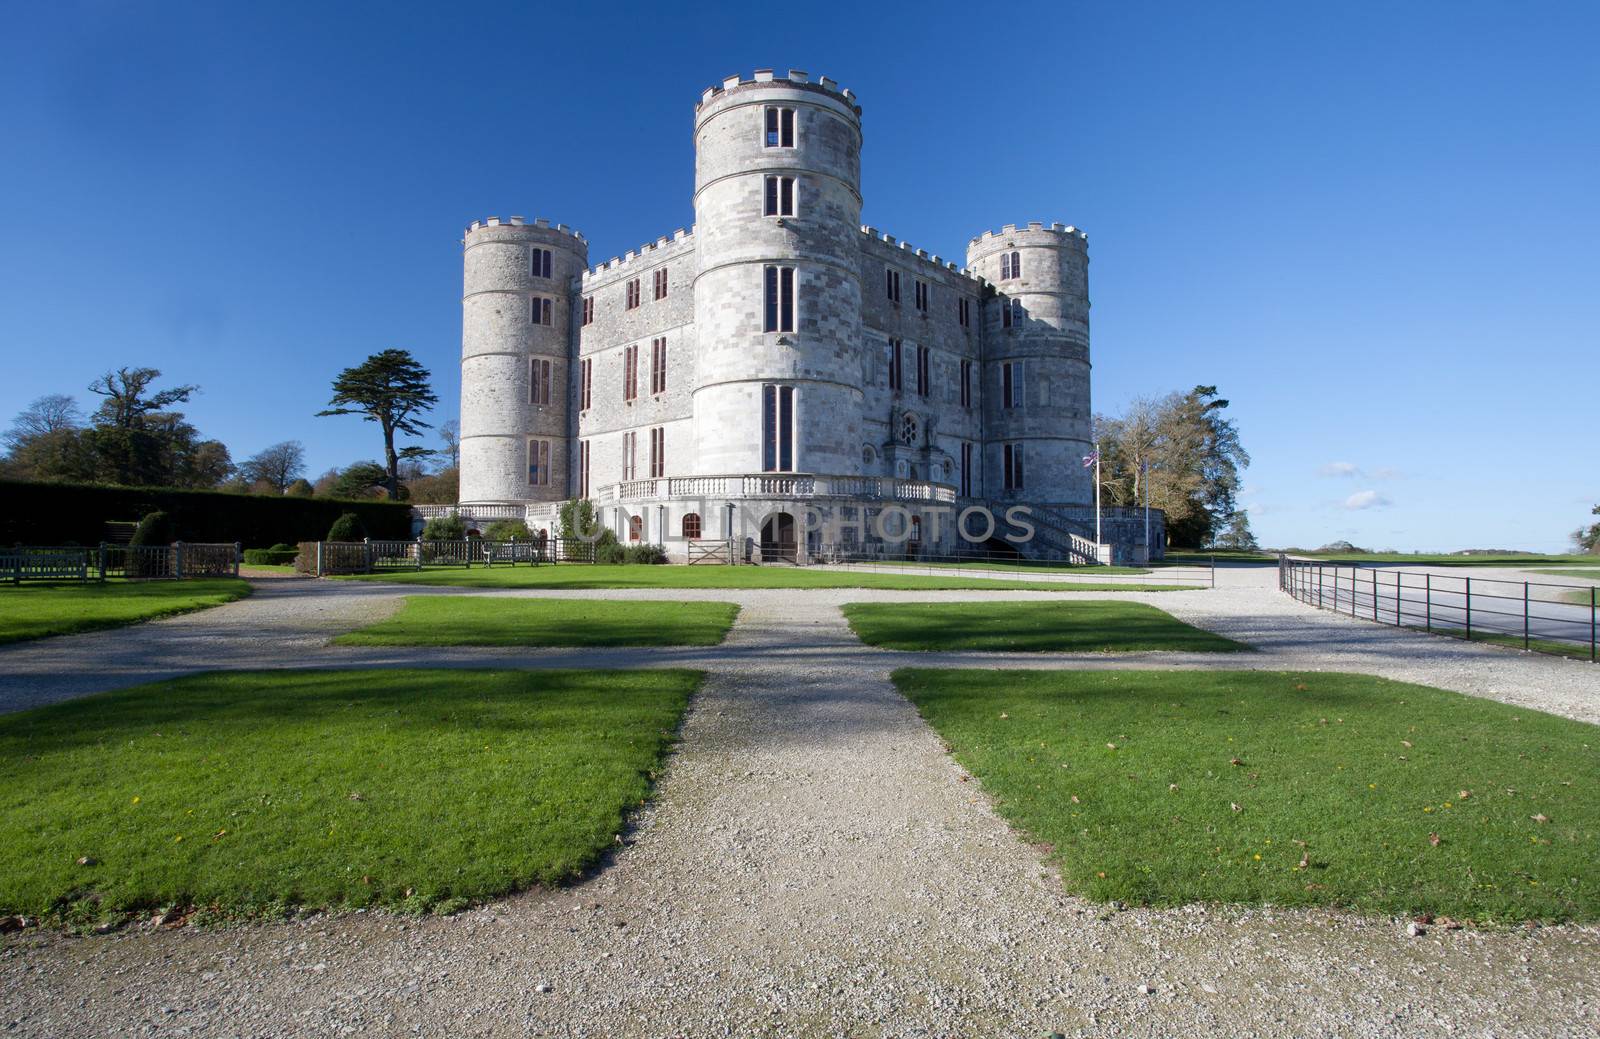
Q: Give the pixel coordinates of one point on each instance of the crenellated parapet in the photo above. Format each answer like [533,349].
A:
[913,256]
[646,254]
[796,78]
[1062,234]
[537,223]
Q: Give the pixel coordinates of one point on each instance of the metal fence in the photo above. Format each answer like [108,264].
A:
[326,558]
[1540,616]
[1011,568]
[177,561]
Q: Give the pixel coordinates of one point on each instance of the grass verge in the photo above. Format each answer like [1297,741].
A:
[1016,565]
[34,611]
[593,576]
[1029,627]
[242,793]
[1167,787]
[1574,650]
[468,620]
[1511,559]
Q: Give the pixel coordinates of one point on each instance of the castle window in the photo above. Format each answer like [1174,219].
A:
[1013,467]
[632,300]
[630,372]
[966,384]
[909,429]
[779,127]
[780,299]
[921,288]
[586,383]
[583,468]
[779,196]
[1011,384]
[777,429]
[1011,313]
[538,380]
[658,452]
[630,454]
[539,309]
[924,383]
[658,365]
[896,370]
[539,463]
[539,263]
[660,279]
[966,470]
[691,525]
[635,527]
[964,312]
[916,530]
[891,284]
[1010,265]
[588,310]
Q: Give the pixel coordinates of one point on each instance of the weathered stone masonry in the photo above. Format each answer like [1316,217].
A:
[756,420]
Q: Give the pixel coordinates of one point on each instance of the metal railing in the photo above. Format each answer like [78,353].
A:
[177,561]
[1539,616]
[327,558]
[1002,567]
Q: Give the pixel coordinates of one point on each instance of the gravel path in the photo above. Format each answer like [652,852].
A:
[813,865]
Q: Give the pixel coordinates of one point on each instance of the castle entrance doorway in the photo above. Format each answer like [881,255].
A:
[777,538]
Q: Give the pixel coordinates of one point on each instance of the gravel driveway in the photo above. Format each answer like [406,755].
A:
[813,865]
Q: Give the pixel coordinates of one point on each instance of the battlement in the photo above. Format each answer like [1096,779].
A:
[518,221]
[648,252]
[1064,231]
[795,78]
[921,254]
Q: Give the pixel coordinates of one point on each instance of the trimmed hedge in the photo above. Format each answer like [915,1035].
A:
[270,556]
[61,513]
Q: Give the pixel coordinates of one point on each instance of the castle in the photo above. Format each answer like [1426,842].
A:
[724,384]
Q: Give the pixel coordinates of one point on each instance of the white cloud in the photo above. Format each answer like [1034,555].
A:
[1339,469]
[1366,500]
[1387,472]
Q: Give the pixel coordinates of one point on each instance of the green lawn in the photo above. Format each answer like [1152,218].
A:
[1023,565]
[1513,559]
[245,792]
[586,575]
[475,620]
[32,611]
[1168,787]
[1575,650]
[1591,573]
[1182,557]
[1029,627]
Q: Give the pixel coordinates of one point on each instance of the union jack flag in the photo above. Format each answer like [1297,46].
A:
[1090,459]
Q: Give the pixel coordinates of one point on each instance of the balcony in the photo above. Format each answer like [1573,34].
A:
[742,486]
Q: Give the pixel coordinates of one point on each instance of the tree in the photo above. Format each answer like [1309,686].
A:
[391,389]
[1187,454]
[1588,538]
[450,436]
[45,441]
[278,466]
[361,480]
[1237,536]
[442,488]
[135,441]
[125,405]
[301,488]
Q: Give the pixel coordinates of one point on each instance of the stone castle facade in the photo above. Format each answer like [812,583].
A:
[719,383]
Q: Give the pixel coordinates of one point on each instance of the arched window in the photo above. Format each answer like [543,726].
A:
[1010,265]
[691,525]
[635,524]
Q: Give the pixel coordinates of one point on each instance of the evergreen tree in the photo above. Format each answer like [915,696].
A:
[391,389]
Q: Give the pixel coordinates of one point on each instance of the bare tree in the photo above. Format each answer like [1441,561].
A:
[52,413]
[278,465]
[450,436]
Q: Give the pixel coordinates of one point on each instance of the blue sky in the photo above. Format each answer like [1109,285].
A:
[1374,227]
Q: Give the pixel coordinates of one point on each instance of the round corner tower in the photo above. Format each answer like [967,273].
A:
[777,289]
[1039,274]
[516,341]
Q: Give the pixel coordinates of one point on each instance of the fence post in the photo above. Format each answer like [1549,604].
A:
[178,562]
[238,551]
[1469,609]
[419,552]
[366,551]
[1524,615]
[1213,567]
[1397,598]
[1592,626]
[1374,595]
[1319,588]
[102,560]
[319,559]
[1427,595]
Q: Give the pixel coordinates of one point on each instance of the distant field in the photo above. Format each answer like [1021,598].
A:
[1590,573]
[1510,559]
[1184,557]
[1022,565]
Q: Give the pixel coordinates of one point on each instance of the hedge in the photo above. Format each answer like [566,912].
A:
[270,556]
[58,513]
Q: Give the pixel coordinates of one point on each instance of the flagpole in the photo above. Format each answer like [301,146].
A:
[1097,541]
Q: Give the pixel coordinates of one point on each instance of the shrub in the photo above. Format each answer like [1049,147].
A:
[445,528]
[156,528]
[348,527]
[645,554]
[607,551]
[282,547]
[505,530]
[270,556]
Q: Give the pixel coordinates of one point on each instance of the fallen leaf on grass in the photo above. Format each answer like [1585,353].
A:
[1235,806]
[1540,818]
[1433,839]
